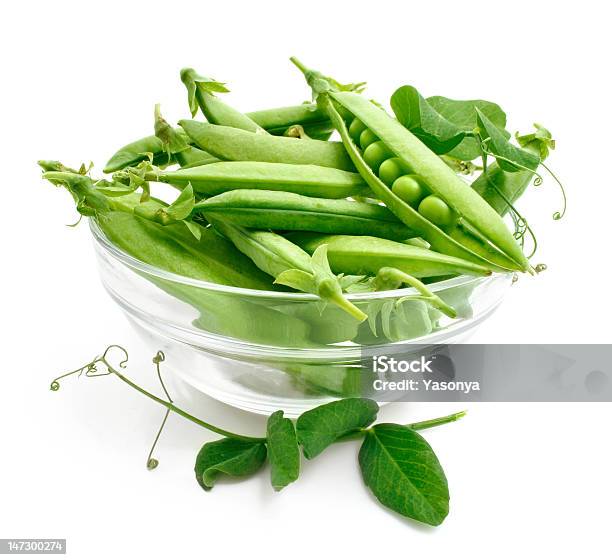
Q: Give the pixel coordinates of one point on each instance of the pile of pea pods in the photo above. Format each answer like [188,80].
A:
[330,197]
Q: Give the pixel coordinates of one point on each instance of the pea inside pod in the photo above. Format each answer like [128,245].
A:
[456,203]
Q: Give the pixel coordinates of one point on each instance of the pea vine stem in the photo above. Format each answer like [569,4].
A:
[423,425]
[172,407]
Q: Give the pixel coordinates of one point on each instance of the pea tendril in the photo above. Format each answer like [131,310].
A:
[151,461]
[91,370]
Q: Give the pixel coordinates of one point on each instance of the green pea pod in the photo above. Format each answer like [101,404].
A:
[151,146]
[276,121]
[287,211]
[327,326]
[363,255]
[135,152]
[201,92]
[494,246]
[310,180]
[175,249]
[340,380]
[212,259]
[289,264]
[405,319]
[239,145]
[316,123]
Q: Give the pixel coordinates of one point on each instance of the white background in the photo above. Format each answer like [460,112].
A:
[79,79]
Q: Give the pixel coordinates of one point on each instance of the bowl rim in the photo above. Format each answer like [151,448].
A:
[103,242]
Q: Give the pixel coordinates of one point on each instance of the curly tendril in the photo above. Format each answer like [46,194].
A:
[521,226]
[538,178]
[152,462]
[540,268]
[557,215]
[93,369]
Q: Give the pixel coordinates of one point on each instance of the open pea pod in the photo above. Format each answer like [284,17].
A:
[475,231]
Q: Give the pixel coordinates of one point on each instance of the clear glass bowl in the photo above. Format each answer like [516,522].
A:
[261,350]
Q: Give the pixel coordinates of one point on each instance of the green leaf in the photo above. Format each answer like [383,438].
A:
[403,472]
[228,456]
[463,115]
[509,157]
[318,428]
[417,115]
[283,450]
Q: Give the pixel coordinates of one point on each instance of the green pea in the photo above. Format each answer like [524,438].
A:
[409,189]
[356,128]
[366,138]
[375,154]
[437,211]
[390,170]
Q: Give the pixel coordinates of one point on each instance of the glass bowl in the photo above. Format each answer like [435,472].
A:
[261,350]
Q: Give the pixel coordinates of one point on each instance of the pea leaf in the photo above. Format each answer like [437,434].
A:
[463,114]
[283,450]
[318,428]
[506,154]
[417,115]
[228,456]
[403,472]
